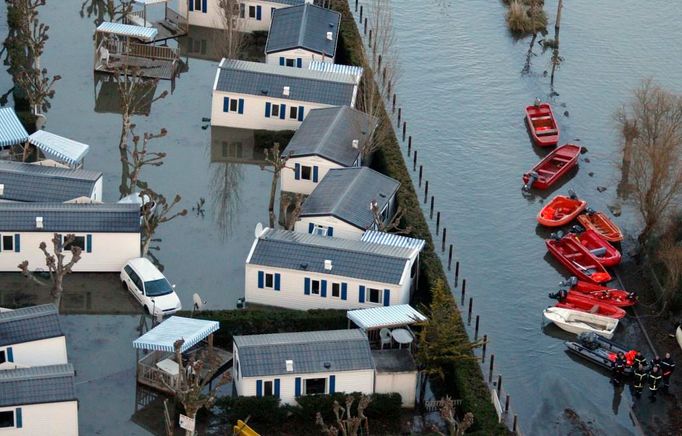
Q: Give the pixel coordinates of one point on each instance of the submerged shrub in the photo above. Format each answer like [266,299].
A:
[522,18]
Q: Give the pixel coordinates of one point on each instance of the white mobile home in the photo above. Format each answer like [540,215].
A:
[38,183]
[342,203]
[12,132]
[252,95]
[31,336]
[307,271]
[38,401]
[301,34]
[108,234]
[328,138]
[288,365]
[254,15]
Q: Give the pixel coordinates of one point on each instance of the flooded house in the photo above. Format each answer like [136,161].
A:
[108,234]
[308,271]
[347,202]
[168,22]
[301,34]
[31,336]
[253,95]
[289,365]
[252,16]
[328,138]
[39,400]
[30,182]
[12,132]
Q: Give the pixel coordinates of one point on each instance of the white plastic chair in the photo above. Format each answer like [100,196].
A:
[385,335]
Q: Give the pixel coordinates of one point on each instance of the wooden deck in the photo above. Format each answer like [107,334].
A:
[172,26]
[151,68]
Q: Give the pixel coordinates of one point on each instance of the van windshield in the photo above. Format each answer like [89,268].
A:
[158,287]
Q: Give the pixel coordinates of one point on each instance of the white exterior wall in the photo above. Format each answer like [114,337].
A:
[306,57]
[51,351]
[404,383]
[254,112]
[301,186]
[213,16]
[110,251]
[291,294]
[54,419]
[97,191]
[341,229]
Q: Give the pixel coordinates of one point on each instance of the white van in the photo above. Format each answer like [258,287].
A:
[150,287]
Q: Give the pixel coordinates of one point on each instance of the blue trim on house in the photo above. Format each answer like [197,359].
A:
[261,279]
[306,286]
[361,297]
[387,297]
[277,281]
[259,388]
[323,290]
[344,291]
[332,384]
[277,387]
[297,390]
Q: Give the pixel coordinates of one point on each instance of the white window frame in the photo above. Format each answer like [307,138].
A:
[320,230]
[310,176]
[265,280]
[2,241]
[294,110]
[242,10]
[272,388]
[380,294]
[14,419]
[288,61]
[304,385]
[252,8]
[331,291]
[197,8]
[274,112]
[312,286]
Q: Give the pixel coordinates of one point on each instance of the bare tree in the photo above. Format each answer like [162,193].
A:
[225,180]
[137,158]
[392,225]
[106,10]
[653,121]
[291,217]
[455,426]
[669,254]
[156,212]
[55,264]
[346,424]
[277,163]
[231,39]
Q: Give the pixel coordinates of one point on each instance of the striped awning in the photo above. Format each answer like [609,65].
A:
[392,239]
[139,32]
[336,68]
[163,336]
[150,2]
[387,316]
[12,132]
[58,148]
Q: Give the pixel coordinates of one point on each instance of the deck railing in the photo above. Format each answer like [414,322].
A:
[123,48]
[150,375]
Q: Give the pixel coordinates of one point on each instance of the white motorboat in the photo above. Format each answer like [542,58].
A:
[577,322]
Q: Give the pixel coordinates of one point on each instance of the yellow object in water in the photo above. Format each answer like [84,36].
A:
[242,429]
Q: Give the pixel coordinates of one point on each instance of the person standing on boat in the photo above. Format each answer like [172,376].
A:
[654,381]
[618,368]
[667,368]
[639,377]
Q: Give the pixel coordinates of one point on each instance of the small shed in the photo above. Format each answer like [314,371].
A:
[159,368]
[12,132]
[60,149]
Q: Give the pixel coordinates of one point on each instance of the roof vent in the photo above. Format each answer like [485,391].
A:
[2,189]
[327,265]
[356,144]
[264,91]
[290,365]
[327,365]
[285,91]
[39,222]
[304,266]
[330,36]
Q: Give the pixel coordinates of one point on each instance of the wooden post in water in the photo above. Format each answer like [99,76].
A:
[360,21]
[356,5]
[485,343]
[478,318]
[400,113]
[393,110]
[431,212]
[557,25]
[388,88]
[426,190]
[414,161]
[492,363]
[365,26]
[369,42]
[456,273]
[506,405]
[437,229]
[464,289]
[445,232]
[379,66]
[404,129]
[449,253]
[515,424]
[421,170]
[409,145]
[471,305]
[499,385]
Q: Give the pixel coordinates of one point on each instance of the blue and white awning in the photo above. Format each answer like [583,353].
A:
[144,33]
[58,148]
[328,67]
[388,316]
[392,239]
[12,132]
[163,336]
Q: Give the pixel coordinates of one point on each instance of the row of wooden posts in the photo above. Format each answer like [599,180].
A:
[401,123]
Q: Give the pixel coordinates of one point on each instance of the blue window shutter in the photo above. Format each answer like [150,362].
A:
[300,113]
[282,111]
[226,104]
[204,6]
[298,386]
[332,384]
[277,281]
[261,279]
[259,388]
[281,60]
[315,174]
[19,420]
[191,4]
[241,106]
[17,242]
[330,231]
[277,387]
[344,291]
[10,354]
[323,291]
[362,294]
[306,288]
[259,11]
[267,110]
[297,174]
[299,63]
[88,243]
[387,297]
[311,227]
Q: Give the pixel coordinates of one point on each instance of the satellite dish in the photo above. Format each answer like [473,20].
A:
[259,230]
[198,302]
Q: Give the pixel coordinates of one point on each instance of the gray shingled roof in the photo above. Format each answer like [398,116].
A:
[37,183]
[70,217]
[329,133]
[29,324]
[306,27]
[350,258]
[346,193]
[263,355]
[288,2]
[267,80]
[36,385]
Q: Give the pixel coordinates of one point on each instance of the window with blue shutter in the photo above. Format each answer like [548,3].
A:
[259,12]
[261,279]
[344,291]
[204,6]
[277,281]
[226,104]
[18,418]
[323,290]
[88,243]
[299,63]
[332,384]
[297,175]
[282,111]
[314,174]
[259,388]
[311,226]
[281,60]
[306,286]
[300,113]
[241,106]
[387,297]
[267,110]
[10,354]
[361,297]
[191,4]
[277,388]
[330,231]
[297,387]
[17,242]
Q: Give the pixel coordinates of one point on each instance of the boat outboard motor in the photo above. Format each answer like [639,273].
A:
[532,177]
[569,282]
[577,229]
[590,211]
[589,340]
[572,195]
[557,235]
[559,295]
